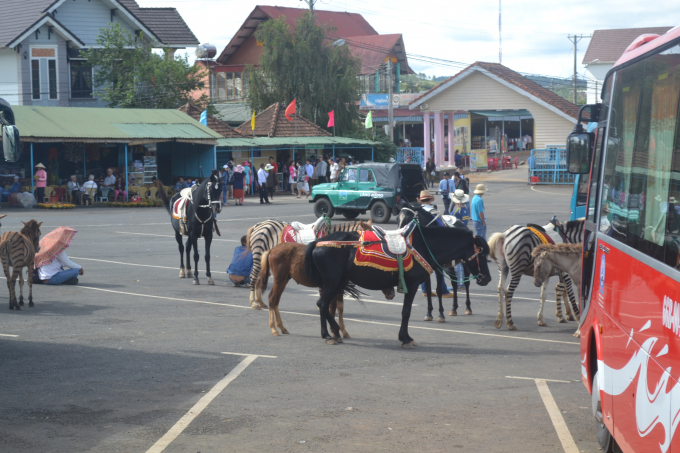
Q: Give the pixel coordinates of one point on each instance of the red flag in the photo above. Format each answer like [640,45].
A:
[331,118]
[290,110]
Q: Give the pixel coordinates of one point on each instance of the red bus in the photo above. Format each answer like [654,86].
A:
[630,293]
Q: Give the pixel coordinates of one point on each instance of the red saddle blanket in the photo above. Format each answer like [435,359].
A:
[377,256]
[290,235]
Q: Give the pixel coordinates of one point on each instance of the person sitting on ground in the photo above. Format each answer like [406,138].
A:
[119,189]
[180,184]
[90,184]
[14,188]
[74,189]
[55,274]
[241,265]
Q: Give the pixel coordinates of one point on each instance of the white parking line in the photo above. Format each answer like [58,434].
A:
[550,193]
[558,422]
[169,236]
[118,262]
[346,319]
[8,335]
[183,422]
[256,355]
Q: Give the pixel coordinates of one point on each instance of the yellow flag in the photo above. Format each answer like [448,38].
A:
[252,121]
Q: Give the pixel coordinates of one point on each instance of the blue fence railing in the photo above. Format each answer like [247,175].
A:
[549,166]
[415,154]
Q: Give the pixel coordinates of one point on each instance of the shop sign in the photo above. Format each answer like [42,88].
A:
[374,100]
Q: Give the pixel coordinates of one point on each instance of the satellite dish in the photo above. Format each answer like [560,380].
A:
[423,107]
[206,51]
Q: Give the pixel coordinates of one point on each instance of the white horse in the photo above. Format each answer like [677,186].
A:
[562,257]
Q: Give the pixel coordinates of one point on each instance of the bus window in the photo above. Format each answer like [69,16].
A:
[619,154]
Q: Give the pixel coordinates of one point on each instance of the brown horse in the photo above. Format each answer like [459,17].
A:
[287,261]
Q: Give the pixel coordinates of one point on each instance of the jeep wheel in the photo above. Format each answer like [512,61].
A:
[323,207]
[380,213]
[350,214]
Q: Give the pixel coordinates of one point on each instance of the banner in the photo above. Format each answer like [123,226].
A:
[374,101]
[473,163]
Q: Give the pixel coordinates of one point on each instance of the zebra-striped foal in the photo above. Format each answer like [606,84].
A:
[512,252]
[18,249]
[266,235]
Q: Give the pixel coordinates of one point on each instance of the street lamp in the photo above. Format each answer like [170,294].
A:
[338,43]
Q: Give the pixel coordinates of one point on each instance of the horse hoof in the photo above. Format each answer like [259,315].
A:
[21,303]
[413,343]
[542,323]
[196,282]
[441,319]
[11,307]
[571,318]
[274,333]
[562,320]
[255,307]
[284,331]
[331,341]
[31,304]
[453,313]
[210,281]
[577,334]
[427,318]
[407,345]
[181,273]
[512,327]
[338,339]
[346,335]
[497,323]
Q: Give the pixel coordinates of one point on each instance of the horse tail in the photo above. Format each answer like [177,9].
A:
[163,195]
[311,270]
[248,234]
[496,243]
[350,289]
[263,278]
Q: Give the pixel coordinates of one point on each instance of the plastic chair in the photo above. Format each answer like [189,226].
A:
[48,194]
[169,192]
[91,192]
[153,193]
[136,190]
[105,193]
[59,194]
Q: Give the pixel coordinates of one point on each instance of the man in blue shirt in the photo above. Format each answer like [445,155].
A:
[14,188]
[446,187]
[241,265]
[477,212]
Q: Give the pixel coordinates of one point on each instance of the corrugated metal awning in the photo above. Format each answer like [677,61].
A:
[291,141]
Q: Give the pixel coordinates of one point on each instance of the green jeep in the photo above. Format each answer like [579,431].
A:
[378,188]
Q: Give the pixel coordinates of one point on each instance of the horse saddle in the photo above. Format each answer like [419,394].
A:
[306,233]
[540,233]
[395,240]
[449,220]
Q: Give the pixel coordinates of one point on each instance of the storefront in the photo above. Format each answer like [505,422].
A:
[138,145]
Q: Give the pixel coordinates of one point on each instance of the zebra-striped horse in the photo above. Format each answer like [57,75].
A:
[512,252]
[18,249]
[266,235]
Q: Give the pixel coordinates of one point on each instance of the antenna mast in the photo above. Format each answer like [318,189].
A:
[500,47]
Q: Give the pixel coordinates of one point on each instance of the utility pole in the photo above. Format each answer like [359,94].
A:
[575,39]
[390,116]
[500,48]
[311,4]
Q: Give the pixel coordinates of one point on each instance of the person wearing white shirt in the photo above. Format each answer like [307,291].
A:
[90,184]
[334,170]
[110,180]
[262,182]
[54,273]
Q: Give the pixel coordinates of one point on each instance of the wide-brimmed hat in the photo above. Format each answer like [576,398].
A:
[425,195]
[459,196]
[225,166]
[239,169]
[481,188]
[40,166]
[268,167]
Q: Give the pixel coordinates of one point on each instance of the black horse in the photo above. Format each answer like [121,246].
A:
[332,268]
[200,219]
[406,215]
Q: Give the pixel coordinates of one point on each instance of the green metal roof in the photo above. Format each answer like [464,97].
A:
[501,113]
[297,141]
[80,124]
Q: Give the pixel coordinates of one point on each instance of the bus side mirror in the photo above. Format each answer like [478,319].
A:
[580,143]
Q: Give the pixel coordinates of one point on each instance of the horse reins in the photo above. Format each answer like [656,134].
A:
[209,205]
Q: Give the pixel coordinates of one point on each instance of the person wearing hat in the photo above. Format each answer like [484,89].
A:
[262,184]
[40,182]
[460,209]
[14,188]
[477,211]
[238,179]
[446,187]
[272,182]
[426,199]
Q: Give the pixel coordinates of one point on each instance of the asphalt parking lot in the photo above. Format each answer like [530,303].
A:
[134,359]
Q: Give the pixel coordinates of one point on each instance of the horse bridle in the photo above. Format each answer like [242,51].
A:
[415,216]
[209,205]
[210,202]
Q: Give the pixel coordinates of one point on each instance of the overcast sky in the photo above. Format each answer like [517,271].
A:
[534,31]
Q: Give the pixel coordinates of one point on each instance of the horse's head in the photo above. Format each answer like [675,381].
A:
[31,230]
[542,268]
[213,192]
[477,264]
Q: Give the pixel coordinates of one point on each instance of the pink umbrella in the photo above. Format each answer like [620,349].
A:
[52,244]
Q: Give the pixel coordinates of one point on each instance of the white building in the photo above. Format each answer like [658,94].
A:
[605,48]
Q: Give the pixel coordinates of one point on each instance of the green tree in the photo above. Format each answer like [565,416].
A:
[301,64]
[129,74]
